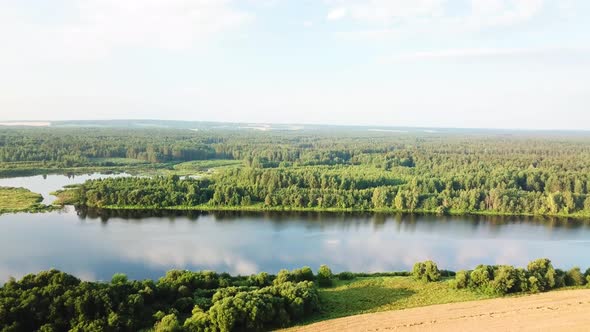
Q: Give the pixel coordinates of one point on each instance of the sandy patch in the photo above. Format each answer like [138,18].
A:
[554,311]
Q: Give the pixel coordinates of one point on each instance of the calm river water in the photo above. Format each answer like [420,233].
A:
[94,245]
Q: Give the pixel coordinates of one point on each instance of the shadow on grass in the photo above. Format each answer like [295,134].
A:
[348,301]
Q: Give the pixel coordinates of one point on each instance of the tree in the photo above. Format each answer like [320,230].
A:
[543,273]
[325,276]
[426,271]
[168,324]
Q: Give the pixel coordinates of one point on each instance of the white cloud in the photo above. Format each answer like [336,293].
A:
[385,11]
[94,28]
[532,54]
[336,14]
[394,18]
[492,13]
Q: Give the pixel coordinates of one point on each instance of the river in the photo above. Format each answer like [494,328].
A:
[144,244]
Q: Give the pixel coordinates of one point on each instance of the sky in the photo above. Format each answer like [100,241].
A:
[429,63]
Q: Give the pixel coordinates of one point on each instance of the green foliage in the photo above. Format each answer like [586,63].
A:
[574,277]
[261,279]
[450,173]
[481,276]
[380,293]
[169,323]
[346,276]
[543,272]
[179,301]
[297,275]
[119,278]
[503,279]
[461,280]
[426,271]
[19,200]
[325,276]
[508,279]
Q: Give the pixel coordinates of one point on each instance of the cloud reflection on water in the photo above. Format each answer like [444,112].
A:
[146,244]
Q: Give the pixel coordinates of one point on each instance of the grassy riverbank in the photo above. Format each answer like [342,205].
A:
[375,294]
[20,200]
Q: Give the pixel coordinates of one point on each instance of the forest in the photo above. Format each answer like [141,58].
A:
[517,173]
[210,301]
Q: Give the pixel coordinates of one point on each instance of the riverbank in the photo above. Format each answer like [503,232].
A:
[67,199]
[14,200]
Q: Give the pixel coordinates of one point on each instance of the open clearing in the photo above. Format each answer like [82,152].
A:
[555,311]
[18,199]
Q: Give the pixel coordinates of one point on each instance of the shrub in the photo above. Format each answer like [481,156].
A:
[534,285]
[560,276]
[297,275]
[426,271]
[461,280]
[507,279]
[346,276]
[574,277]
[325,276]
[481,276]
[543,272]
[303,274]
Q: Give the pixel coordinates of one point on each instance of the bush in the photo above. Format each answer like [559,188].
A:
[346,276]
[426,271]
[481,276]
[543,272]
[461,280]
[560,276]
[507,279]
[297,275]
[534,285]
[574,277]
[325,276]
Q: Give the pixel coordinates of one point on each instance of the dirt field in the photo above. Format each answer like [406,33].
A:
[554,311]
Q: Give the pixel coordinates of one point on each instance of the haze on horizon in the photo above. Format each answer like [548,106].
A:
[422,63]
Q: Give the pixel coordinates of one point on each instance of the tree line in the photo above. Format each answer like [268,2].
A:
[444,172]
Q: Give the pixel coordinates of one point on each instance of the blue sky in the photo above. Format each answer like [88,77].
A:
[439,63]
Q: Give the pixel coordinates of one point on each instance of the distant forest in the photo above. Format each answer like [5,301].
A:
[517,173]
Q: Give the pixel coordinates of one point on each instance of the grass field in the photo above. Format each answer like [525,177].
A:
[375,294]
[116,161]
[205,165]
[19,200]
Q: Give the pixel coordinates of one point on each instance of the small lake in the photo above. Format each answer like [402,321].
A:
[45,184]
[144,244]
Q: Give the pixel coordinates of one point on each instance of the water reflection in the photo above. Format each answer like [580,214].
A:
[144,244]
[46,184]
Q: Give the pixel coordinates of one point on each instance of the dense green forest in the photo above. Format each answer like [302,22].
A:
[209,301]
[451,172]
[179,301]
